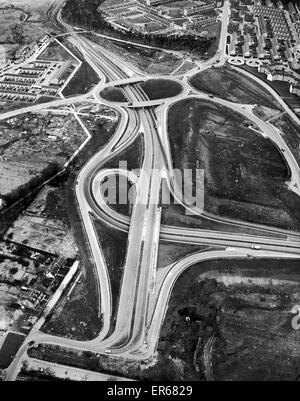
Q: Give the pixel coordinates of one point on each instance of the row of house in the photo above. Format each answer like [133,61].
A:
[276,19]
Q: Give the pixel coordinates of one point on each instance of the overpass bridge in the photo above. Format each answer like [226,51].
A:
[126,81]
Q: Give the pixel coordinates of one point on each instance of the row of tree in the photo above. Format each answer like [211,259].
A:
[87,15]
[23,190]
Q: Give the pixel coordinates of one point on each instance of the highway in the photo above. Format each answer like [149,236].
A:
[138,254]
[144,292]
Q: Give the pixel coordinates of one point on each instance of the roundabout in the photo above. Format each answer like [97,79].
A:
[253,63]
[156,90]
[236,61]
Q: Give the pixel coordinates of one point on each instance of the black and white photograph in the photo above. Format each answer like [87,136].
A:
[149,194]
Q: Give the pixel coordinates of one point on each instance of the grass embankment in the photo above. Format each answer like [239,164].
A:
[84,79]
[114,95]
[245,173]
[161,88]
[228,84]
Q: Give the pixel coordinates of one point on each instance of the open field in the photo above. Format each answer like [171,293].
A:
[187,66]
[161,88]
[247,319]
[114,246]
[212,31]
[10,106]
[230,85]
[55,52]
[129,159]
[83,81]
[33,147]
[43,234]
[118,186]
[217,309]
[45,225]
[174,214]
[10,19]
[114,95]
[245,174]
[16,174]
[29,135]
[85,78]
[16,29]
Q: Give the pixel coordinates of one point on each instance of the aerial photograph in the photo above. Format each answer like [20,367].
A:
[149,193]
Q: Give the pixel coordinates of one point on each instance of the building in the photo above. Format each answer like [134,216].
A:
[232,49]
[289,55]
[246,50]
[291,8]
[277,20]
[201,9]
[201,21]
[262,26]
[295,89]
[59,73]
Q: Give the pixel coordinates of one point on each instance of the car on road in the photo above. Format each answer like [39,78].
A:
[256,247]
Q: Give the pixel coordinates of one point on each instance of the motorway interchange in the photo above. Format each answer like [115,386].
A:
[145,292]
